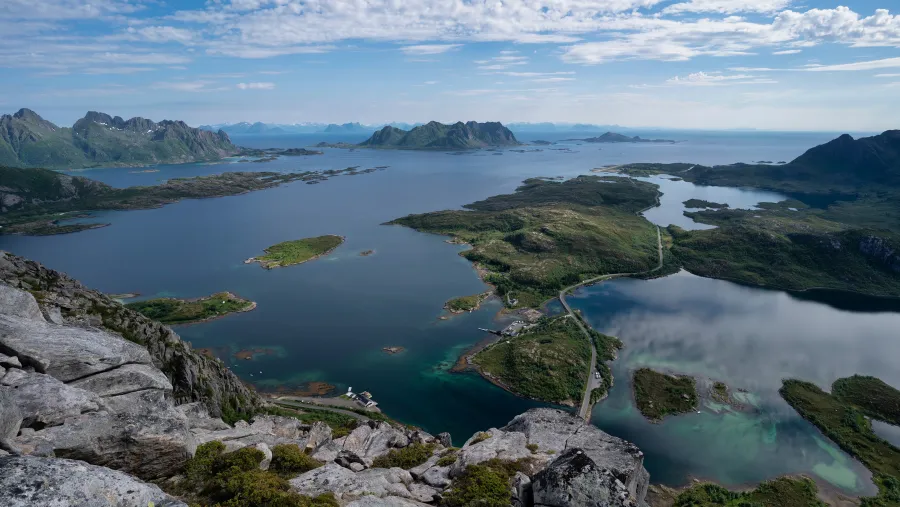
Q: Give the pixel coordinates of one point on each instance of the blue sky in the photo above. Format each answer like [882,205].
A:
[768,64]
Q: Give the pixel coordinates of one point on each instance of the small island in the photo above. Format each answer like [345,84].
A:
[188,311]
[249,354]
[392,350]
[298,152]
[700,203]
[298,251]
[613,137]
[658,394]
[366,253]
[466,303]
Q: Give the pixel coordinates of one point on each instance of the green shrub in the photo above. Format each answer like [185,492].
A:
[447,459]
[406,458]
[200,467]
[485,485]
[532,447]
[481,437]
[289,459]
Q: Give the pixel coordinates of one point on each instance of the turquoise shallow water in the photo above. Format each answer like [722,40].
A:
[328,320]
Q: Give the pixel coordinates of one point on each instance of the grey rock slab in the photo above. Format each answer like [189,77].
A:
[374,439]
[45,401]
[150,440]
[422,493]
[18,303]
[418,470]
[388,501]
[319,434]
[522,495]
[501,444]
[29,481]
[438,477]
[125,379]
[327,452]
[574,480]
[67,353]
[344,483]
[267,456]
[198,417]
[445,439]
[10,361]
[10,416]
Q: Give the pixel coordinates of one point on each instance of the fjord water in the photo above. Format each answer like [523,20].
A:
[327,320]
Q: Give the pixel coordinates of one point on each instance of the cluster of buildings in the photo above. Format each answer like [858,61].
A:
[364,398]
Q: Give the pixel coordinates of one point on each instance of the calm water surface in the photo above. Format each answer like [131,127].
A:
[328,320]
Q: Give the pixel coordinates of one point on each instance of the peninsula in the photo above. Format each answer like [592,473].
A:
[700,203]
[298,251]
[612,137]
[34,201]
[549,235]
[437,136]
[188,311]
[98,139]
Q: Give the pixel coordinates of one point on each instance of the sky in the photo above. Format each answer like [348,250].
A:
[699,64]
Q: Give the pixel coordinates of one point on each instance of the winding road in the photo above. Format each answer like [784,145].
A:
[585,411]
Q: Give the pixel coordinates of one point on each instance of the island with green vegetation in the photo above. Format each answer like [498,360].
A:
[187,311]
[614,137]
[298,251]
[659,394]
[437,136]
[549,235]
[843,416]
[700,203]
[34,201]
[846,236]
[98,139]
[545,362]
[464,304]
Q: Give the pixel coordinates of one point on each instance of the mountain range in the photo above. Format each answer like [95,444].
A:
[246,128]
[438,136]
[98,139]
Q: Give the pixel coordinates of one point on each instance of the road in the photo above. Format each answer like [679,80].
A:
[585,411]
[294,402]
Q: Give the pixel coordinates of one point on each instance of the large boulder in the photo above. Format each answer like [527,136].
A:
[373,439]
[45,401]
[557,431]
[574,480]
[126,379]
[30,481]
[494,443]
[345,484]
[143,435]
[10,418]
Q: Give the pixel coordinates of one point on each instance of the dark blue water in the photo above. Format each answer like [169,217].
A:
[329,319]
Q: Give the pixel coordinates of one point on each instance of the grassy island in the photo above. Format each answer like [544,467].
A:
[842,417]
[549,234]
[546,362]
[466,303]
[186,311]
[658,394]
[781,492]
[700,203]
[297,252]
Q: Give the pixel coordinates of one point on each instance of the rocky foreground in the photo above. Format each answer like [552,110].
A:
[88,417]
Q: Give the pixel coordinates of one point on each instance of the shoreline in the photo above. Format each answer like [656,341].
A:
[249,308]
[660,495]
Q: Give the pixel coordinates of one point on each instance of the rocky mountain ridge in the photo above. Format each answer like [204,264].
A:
[98,139]
[438,136]
[85,412]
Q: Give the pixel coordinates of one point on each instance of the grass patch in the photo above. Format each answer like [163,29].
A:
[658,395]
[546,362]
[337,421]
[782,492]
[298,251]
[234,479]
[289,461]
[486,484]
[183,311]
[447,459]
[877,399]
[408,457]
[481,437]
[845,423]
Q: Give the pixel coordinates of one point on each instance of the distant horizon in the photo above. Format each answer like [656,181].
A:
[505,123]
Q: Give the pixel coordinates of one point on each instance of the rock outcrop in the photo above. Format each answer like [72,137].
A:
[94,324]
[574,480]
[29,481]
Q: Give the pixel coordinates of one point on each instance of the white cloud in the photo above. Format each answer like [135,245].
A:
[788,52]
[552,79]
[431,82]
[183,86]
[727,6]
[886,63]
[65,9]
[535,74]
[256,86]
[161,34]
[429,49]
[887,75]
[717,79]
